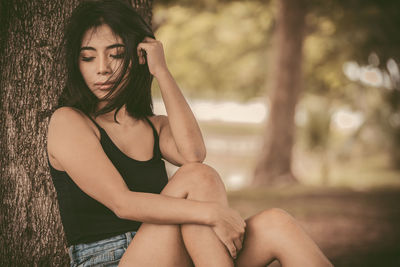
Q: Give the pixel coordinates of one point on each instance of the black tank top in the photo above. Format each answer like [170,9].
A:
[85,219]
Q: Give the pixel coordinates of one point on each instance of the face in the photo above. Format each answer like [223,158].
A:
[101,58]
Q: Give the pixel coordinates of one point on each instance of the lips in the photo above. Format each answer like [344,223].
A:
[104,86]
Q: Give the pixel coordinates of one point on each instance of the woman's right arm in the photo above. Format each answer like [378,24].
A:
[77,148]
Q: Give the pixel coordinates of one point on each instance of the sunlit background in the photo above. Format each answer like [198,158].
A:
[220,57]
[346,155]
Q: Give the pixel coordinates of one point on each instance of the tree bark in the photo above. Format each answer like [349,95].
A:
[274,166]
[144,8]
[31,79]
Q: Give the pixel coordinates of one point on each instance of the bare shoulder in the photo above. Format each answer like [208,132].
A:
[66,113]
[67,120]
[67,117]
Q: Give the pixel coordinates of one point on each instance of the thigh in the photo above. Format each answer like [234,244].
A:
[160,245]
[275,234]
[157,245]
[255,251]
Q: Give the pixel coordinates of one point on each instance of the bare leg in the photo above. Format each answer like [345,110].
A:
[157,245]
[274,234]
[163,245]
[201,242]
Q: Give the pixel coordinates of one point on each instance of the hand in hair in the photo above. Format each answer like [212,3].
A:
[152,51]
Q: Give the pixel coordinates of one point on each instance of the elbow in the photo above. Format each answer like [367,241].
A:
[119,206]
[201,156]
[119,213]
[197,155]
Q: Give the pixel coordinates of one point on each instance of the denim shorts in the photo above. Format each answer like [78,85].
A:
[106,252]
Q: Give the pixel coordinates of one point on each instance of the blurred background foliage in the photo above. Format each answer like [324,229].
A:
[348,119]
[346,155]
[219,52]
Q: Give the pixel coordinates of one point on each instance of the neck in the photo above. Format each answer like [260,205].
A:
[123,116]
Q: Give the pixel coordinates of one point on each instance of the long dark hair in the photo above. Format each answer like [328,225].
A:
[130,26]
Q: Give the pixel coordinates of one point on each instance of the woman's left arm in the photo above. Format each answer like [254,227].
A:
[181,140]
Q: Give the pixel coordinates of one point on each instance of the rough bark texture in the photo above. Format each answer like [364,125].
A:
[144,8]
[274,166]
[31,79]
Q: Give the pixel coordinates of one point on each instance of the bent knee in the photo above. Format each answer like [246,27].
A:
[193,176]
[271,220]
[200,175]
[198,169]
[200,180]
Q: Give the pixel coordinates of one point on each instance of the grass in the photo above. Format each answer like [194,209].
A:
[353,228]
[354,218]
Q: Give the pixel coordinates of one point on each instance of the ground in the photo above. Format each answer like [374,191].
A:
[352,228]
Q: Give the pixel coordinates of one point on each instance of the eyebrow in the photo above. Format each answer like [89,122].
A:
[108,47]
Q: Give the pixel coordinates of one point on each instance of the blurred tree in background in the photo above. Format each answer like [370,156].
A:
[274,166]
[228,46]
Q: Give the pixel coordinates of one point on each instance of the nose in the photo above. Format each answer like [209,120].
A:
[103,66]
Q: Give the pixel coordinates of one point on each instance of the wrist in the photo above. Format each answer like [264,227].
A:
[161,74]
[211,214]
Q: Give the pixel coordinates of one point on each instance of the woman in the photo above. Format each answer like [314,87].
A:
[105,149]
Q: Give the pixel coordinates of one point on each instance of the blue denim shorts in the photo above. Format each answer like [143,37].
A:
[106,252]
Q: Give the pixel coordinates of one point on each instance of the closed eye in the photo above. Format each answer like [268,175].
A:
[118,55]
[87,58]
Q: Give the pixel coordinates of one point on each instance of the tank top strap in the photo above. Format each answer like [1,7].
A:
[95,123]
[156,149]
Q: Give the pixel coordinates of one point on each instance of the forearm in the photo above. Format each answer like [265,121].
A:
[183,124]
[161,209]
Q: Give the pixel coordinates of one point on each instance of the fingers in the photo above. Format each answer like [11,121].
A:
[145,46]
[232,249]
[141,54]
[238,241]
[238,244]
[241,238]
[149,39]
[231,231]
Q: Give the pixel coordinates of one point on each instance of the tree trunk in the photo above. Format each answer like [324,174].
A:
[274,166]
[144,8]
[31,79]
